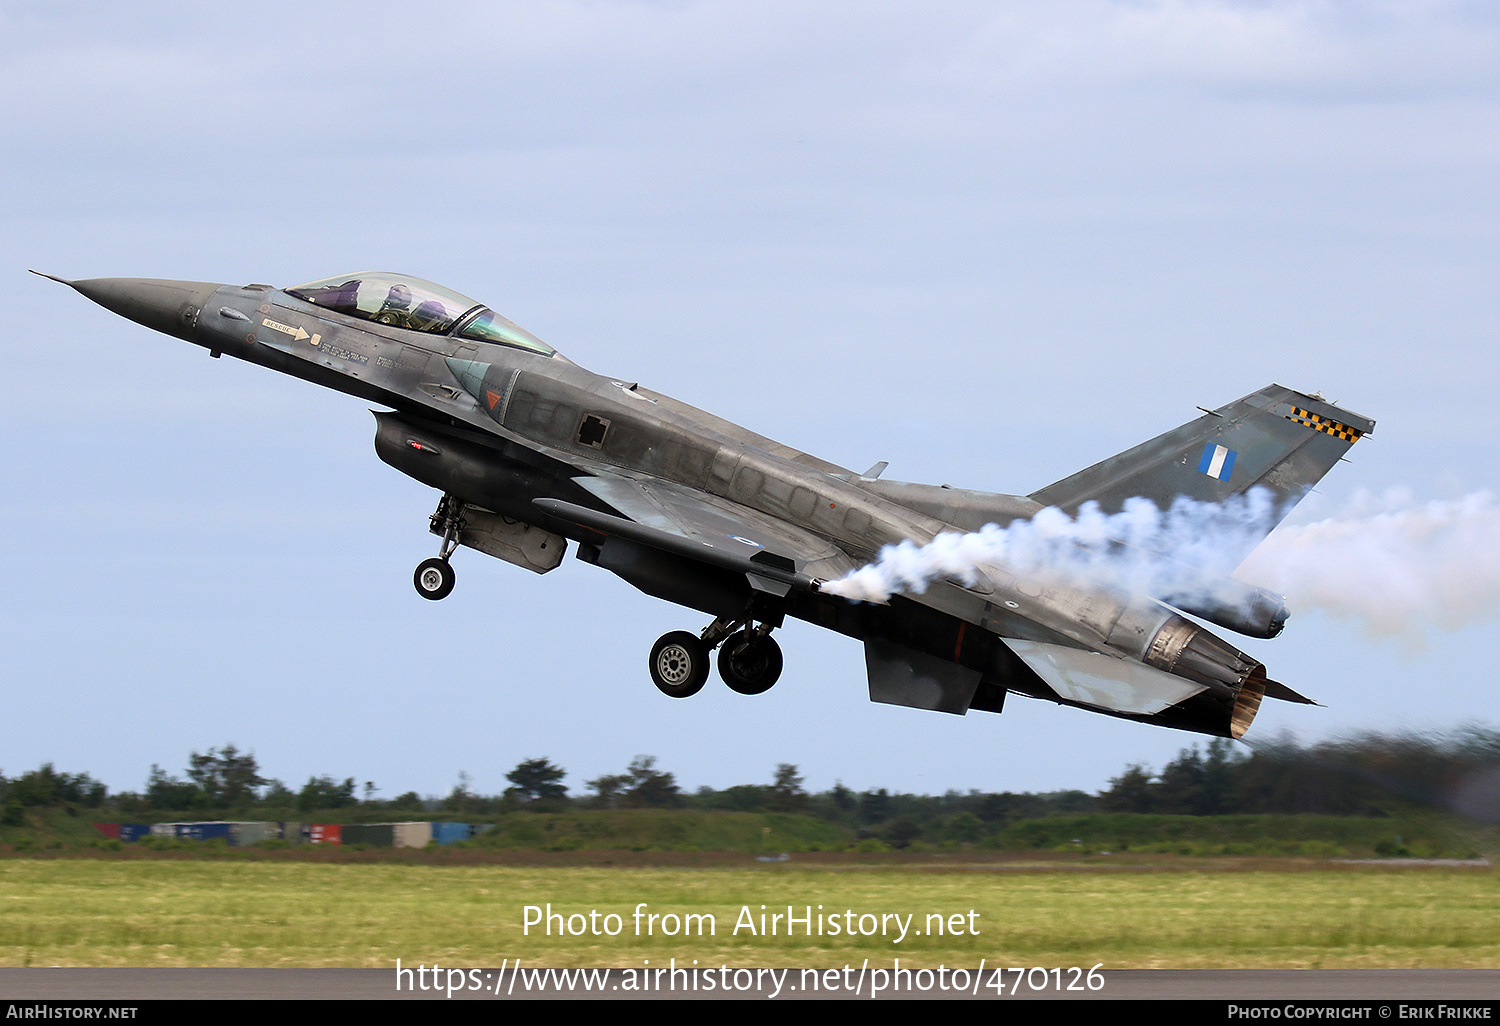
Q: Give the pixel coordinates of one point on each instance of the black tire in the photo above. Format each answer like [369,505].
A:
[750,665]
[434,578]
[679,664]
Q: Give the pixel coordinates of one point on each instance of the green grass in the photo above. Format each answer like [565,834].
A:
[174,912]
[1419,835]
[663,830]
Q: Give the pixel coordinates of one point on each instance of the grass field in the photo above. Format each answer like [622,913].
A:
[140,912]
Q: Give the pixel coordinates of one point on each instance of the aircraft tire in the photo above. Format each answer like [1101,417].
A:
[750,665]
[679,664]
[434,578]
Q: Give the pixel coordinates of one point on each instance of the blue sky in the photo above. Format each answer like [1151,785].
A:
[988,242]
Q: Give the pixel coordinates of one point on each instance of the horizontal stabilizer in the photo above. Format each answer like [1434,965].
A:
[1104,682]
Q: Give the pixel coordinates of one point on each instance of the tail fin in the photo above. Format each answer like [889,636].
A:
[1276,439]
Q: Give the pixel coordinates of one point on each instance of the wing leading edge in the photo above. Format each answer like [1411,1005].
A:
[773,556]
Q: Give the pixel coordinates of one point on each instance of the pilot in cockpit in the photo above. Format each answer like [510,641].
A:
[397,307]
[430,316]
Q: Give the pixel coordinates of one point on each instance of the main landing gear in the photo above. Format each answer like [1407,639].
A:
[434,578]
[749,661]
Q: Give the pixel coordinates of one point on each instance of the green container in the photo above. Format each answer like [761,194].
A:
[376,835]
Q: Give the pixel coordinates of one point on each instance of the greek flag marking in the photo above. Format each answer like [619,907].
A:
[1217,461]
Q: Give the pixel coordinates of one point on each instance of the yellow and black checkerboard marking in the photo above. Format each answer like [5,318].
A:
[1323,424]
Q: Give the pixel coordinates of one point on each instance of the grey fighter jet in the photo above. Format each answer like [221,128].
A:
[530,451]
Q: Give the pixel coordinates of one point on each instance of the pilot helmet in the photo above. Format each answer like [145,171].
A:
[399,298]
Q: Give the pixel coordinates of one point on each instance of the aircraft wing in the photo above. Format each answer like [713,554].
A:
[775,555]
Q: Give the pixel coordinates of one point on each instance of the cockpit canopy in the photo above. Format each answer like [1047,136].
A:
[406,302]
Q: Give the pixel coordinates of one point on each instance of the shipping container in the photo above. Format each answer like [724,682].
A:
[324,833]
[448,833]
[133,832]
[376,835]
[204,831]
[413,835]
[242,834]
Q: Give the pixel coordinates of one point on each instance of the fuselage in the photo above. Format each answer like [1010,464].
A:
[490,415]
[572,418]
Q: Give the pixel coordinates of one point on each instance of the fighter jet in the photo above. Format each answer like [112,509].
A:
[531,451]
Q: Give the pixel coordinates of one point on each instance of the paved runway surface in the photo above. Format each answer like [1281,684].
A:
[1373,985]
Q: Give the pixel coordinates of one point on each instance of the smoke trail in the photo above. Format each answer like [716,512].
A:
[1393,563]
[1124,550]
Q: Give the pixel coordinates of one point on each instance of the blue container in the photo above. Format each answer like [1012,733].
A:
[447,833]
[134,831]
[203,831]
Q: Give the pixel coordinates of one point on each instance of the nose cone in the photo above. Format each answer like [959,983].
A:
[168,306]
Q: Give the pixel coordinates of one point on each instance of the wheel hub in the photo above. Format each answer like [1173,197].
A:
[749,659]
[674,664]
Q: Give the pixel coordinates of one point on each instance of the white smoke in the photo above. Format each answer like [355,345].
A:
[1395,564]
[1141,549]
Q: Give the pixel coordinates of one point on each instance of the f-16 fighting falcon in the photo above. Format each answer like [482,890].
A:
[530,451]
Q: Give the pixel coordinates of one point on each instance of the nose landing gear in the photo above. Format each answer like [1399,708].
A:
[434,578]
[750,661]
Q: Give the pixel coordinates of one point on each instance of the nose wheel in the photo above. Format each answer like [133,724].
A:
[434,577]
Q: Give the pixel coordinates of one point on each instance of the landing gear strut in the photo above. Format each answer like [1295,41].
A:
[750,661]
[434,578]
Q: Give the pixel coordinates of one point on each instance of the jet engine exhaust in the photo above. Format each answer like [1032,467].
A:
[1186,650]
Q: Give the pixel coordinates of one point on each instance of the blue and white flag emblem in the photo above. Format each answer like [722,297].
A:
[1217,461]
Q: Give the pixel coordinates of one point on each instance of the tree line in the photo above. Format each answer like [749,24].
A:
[1367,775]
[1364,775]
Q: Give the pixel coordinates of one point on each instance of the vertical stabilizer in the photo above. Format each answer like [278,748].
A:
[1276,439]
